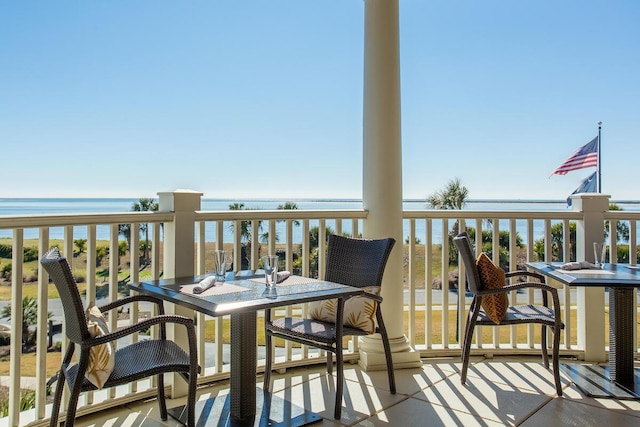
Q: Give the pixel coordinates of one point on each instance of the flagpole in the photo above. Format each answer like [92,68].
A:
[599,151]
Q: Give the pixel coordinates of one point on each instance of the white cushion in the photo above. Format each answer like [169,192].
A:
[101,357]
[359,311]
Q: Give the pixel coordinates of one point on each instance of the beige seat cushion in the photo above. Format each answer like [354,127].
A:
[492,277]
[359,311]
[101,357]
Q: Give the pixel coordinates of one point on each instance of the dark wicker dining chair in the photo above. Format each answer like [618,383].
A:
[133,362]
[355,262]
[514,315]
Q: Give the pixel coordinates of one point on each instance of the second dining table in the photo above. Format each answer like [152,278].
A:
[241,296]
[620,379]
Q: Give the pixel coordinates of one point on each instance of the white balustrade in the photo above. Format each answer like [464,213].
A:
[427,233]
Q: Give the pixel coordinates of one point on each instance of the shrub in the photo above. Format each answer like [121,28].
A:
[30,253]
[28,400]
[5,271]
[623,254]
[5,251]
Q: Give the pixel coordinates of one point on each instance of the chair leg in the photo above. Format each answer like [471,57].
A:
[73,402]
[387,351]
[268,361]
[161,398]
[191,397]
[556,361]
[468,335]
[55,412]
[329,363]
[543,344]
[337,411]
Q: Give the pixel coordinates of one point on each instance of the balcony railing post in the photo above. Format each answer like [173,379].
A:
[179,260]
[590,319]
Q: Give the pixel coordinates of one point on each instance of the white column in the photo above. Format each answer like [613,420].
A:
[591,324]
[179,261]
[382,173]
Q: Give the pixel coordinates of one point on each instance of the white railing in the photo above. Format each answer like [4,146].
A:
[432,315]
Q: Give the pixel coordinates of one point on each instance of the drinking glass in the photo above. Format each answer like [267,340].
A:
[220,264]
[270,263]
[600,253]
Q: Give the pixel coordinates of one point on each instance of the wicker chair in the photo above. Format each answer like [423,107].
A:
[354,262]
[132,362]
[520,314]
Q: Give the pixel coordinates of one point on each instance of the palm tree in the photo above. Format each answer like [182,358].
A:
[245,226]
[290,206]
[454,196]
[145,204]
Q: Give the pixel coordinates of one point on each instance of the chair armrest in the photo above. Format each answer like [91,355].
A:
[130,299]
[143,326]
[524,285]
[520,285]
[516,273]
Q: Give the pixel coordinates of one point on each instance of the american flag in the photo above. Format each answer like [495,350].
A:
[585,157]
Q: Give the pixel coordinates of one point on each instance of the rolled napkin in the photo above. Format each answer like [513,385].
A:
[577,265]
[283,275]
[205,284]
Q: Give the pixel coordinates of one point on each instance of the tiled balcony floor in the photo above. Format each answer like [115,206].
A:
[499,391]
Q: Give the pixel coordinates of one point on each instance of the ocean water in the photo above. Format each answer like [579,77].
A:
[47,206]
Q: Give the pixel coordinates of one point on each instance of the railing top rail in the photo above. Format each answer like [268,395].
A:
[464,213]
[57,220]
[621,215]
[60,220]
[279,214]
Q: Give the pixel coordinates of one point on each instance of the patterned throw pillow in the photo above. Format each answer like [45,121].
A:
[359,311]
[101,357]
[492,277]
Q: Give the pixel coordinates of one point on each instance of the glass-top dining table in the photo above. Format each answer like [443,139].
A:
[620,380]
[241,296]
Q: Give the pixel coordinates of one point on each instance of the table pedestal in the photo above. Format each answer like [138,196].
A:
[622,317]
[593,381]
[620,380]
[239,408]
[244,359]
[272,412]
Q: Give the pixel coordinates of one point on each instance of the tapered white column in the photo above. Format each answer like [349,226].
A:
[382,173]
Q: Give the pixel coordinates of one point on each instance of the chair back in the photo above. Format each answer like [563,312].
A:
[59,271]
[357,262]
[465,250]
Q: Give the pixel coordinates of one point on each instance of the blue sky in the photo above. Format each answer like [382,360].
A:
[252,98]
